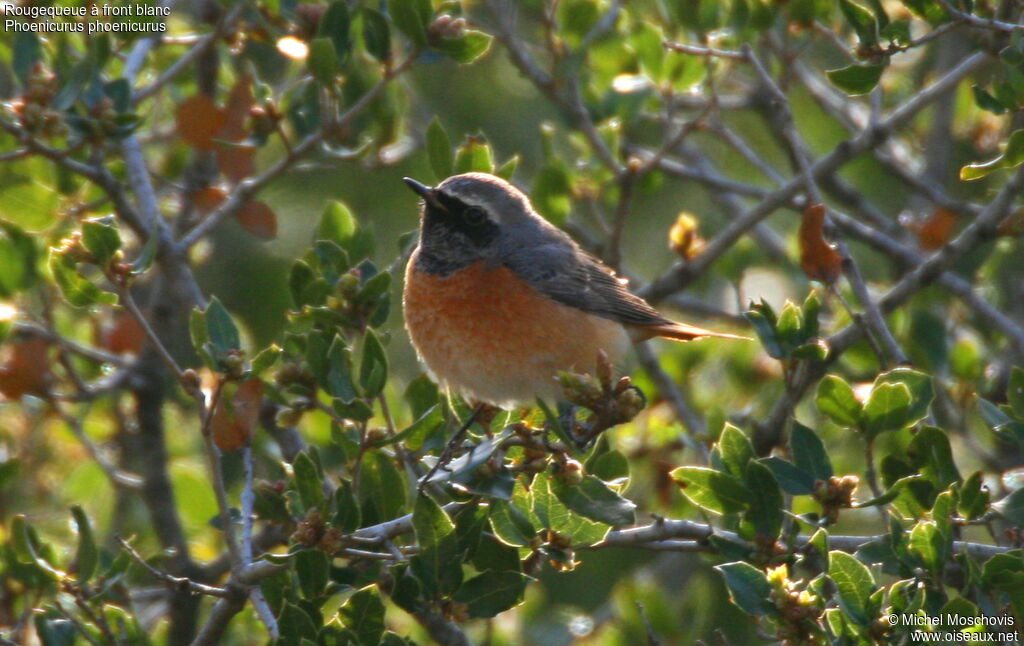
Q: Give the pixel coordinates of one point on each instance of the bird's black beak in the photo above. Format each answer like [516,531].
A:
[428,194]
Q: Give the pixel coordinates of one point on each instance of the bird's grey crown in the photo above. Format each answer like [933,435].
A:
[503,202]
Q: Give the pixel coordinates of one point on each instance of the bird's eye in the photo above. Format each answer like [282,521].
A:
[474,215]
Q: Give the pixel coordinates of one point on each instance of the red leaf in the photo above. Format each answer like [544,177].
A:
[936,230]
[236,414]
[817,258]
[124,336]
[27,369]
[258,219]
[237,162]
[199,121]
[208,199]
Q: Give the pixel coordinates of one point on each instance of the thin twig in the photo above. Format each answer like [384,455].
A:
[179,583]
[704,51]
[114,474]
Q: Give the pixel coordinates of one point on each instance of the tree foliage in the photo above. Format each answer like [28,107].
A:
[182,464]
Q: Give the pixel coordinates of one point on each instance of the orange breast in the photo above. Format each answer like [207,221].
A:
[491,337]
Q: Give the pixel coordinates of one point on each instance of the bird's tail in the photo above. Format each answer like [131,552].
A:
[680,332]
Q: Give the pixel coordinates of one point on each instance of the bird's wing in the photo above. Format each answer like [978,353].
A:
[579,280]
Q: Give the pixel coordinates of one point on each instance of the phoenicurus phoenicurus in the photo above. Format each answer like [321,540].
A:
[498,301]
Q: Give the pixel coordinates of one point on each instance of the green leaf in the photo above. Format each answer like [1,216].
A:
[17,260]
[793,481]
[593,499]
[735,449]
[322,61]
[308,481]
[54,630]
[376,34]
[421,394]
[932,455]
[411,17]
[221,329]
[922,391]
[417,433]
[26,51]
[466,48]
[474,156]
[809,453]
[510,524]
[551,513]
[862,21]
[1012,507]
[437,565]
[1012,157]
[101,239]
[856,79]
[87,555]
[1015,392]
[491,593]
[381,489]
[74,287]
[817,547]
[347,515]
[762,319]
[295,625]
[363,614]
[966,611]
[836,400]
[508,168]
[887,408]
[552,191]
[973,497]
[855,585]
[766,504]
[748,588]
[146,256]
[1005,572]
[790,325]
[338,377]
[266,358]
[898,32]
[986,101]
[928,544]
[608,466]
[439,150]
[712,490]
[337,224]
[335,25]
[312,568]
[373,371]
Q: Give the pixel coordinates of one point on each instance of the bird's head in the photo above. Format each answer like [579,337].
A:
[470,217]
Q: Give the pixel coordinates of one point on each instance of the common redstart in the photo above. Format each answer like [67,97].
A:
[498,301]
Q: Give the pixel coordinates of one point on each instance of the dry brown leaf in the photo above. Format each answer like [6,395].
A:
[208,199]
[258,219]
[936,230]
[199,121]
[236,414]
[818,259]
[237,161]
[124,336]
[27,369]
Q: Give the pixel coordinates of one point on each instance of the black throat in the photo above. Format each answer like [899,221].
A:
[449,240]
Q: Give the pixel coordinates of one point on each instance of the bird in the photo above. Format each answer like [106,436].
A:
[497,300]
